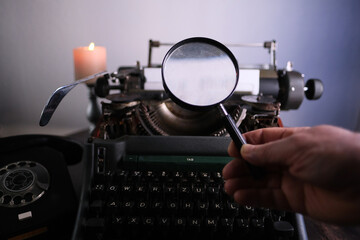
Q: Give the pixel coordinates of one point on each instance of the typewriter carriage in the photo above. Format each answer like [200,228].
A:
[140,106]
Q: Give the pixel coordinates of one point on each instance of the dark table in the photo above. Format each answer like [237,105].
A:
[319,230]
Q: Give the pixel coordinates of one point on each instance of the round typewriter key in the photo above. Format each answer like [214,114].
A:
[201,73]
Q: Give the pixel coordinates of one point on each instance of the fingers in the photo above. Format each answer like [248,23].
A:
[233,151]
[261,136]
[270,146]
[266,192]
[235,168]
[283,152]
[271,181]
[265,135]
[273,148]
[268,136]
[268,198]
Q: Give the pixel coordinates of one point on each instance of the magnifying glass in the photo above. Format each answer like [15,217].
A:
[200,74]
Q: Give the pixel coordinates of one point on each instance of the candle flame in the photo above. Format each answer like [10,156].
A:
[91,46]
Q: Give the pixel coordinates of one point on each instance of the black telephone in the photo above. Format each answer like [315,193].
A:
[37,197]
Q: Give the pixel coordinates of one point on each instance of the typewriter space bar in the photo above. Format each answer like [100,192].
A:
[171,162]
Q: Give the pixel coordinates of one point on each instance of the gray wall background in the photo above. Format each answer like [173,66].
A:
[321,38]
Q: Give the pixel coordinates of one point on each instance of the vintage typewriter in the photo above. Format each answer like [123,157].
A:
[153,167]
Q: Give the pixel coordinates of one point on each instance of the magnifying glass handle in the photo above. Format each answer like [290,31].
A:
[239,140]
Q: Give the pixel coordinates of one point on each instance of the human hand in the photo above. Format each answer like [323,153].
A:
[312,170]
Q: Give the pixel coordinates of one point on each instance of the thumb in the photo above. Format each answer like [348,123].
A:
[267,154]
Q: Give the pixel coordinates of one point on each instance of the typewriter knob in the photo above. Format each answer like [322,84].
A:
[314,89]
[102,87]
[291,92]
[283,229]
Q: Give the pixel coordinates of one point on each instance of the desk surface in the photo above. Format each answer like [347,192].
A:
[322,231]
[316,230]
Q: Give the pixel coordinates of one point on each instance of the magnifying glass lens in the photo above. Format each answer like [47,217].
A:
[199,74]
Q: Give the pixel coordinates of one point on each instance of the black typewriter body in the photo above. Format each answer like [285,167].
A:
[157,187]
[153,170]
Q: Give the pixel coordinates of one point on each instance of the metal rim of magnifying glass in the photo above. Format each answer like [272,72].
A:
[206,41]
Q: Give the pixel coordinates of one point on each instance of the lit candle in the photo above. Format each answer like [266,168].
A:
[89,60]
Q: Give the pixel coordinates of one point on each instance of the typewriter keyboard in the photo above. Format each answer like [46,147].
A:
[132,204]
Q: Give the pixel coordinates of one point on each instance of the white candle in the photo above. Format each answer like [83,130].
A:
[89,60]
